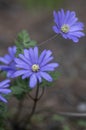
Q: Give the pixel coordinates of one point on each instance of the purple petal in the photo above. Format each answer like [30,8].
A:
[4,82]
[12,51]
[46,76]
[55,29]
[75,39]
[36,54]
[21,63]
[20,72]
[3,99]
[33,81]
[4,60]
[67,15]
[50,67]
[42,55]
[24,59]
[26,75]
[26,54]
[63,16]
[75,28]
[23,66]
[77,34]
[39,77]
[5,86]
[5,91]
[32,55]
[10,73]
[46,61]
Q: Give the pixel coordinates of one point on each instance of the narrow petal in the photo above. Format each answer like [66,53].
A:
[4,82]
[67,15]
[8,58]
[75,39]
[75,28]
[46,61]
[20,72]
[26,54]
[3,60]
[46,76]
[26,75]
[4,67]
[5,86]
[26,67]
[77,34]
[24,59]
[10,74]
[33,81]
[56,19]
[14,49]
[21,63]
[50,67]
[42,55]
[36,54]
[48,54]
[39,77]
[55,29]
[3,99]
[32,55]
[5,91]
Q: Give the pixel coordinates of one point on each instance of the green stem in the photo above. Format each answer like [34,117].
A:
[51,38]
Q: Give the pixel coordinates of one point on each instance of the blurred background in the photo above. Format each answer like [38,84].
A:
[36,16]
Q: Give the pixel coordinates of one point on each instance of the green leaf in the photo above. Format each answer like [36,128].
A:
[20,87]
[24,41]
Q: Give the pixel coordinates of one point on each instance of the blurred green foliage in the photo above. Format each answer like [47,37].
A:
[82,123]
[56,117]
[41,4]
[23,41]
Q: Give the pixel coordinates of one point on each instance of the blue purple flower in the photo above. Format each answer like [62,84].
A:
[67,25]
[31,65]
[7,62]
[4,89]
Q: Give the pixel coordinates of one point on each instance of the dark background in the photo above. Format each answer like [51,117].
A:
[69,92]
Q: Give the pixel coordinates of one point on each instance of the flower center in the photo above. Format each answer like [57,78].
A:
[65,28]
[35,67]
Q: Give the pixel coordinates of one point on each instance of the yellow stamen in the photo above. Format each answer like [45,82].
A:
[65,28]
[35,67]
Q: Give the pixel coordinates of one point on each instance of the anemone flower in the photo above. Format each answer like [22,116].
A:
[4,89]
[31,65]
[7,62]
[67,25]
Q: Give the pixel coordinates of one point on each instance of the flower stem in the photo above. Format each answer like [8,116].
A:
[35,103]
[27,120]
[51,38]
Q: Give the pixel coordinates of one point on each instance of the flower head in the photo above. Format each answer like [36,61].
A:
[7,61]
[31,65]
[67,25]
[4,89]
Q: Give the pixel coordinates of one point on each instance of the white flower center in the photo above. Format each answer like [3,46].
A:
[35,67]
[65,28]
